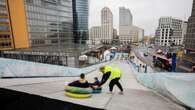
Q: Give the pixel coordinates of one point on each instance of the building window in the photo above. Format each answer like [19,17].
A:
[5,44]
[29,1]
[37,42]
[4,36]
[4,28]
[54,41]
[4,20]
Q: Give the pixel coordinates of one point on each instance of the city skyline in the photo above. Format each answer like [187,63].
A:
[144,14]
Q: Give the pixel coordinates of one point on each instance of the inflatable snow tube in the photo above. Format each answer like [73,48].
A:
[78,96]
[78,90]
[97,90]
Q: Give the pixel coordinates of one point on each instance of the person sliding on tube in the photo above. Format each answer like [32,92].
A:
[113,75]
[82,82]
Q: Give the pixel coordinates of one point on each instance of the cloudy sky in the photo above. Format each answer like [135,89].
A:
[145,12]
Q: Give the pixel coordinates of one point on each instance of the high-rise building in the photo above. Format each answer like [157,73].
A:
[13,25]
[44,25]
[115,34]
[104,33]
[170,31]
[184,31]
[125,22]
[5,33]
[35,23]
[50,22]
[125,18]
[107,25]
[190,36]
[140,35]
[80,20]
[134,35]
[95,35]
[128,33]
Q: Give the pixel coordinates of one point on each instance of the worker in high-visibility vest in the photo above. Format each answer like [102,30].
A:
[114,75]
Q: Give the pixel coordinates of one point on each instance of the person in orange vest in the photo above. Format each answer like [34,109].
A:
[114,75]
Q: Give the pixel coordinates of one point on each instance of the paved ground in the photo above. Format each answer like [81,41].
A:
[136,97]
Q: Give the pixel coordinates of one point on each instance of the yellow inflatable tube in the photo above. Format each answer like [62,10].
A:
[78,96]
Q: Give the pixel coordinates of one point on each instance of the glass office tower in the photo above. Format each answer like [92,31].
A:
[50,22]
[80,20]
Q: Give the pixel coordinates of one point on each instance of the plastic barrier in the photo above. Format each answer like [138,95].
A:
[19,68]
[79,96]
[177,86]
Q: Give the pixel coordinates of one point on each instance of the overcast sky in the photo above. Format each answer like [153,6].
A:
[145,12]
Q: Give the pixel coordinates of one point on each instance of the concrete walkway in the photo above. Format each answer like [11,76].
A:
[136,97]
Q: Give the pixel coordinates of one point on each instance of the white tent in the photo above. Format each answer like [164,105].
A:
[159,51]
[113,48]
[107,52]
[83,57]
[107,55]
